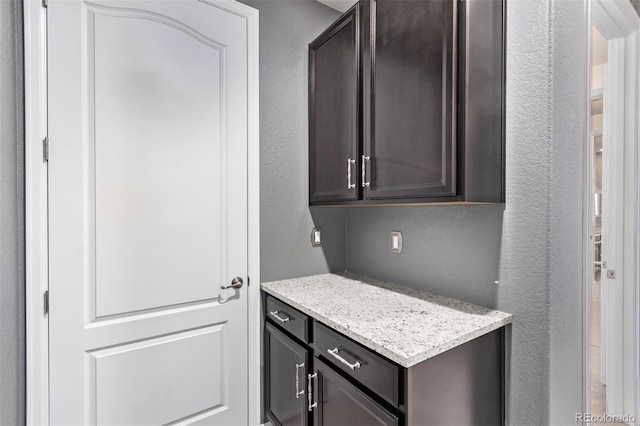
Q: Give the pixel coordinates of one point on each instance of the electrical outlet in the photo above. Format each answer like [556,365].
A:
[316,237]
[395,242]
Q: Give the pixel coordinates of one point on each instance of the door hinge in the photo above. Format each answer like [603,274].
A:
[45,3]
[46,302]
[45,149]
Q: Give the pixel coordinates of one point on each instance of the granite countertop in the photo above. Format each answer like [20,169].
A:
[405,325]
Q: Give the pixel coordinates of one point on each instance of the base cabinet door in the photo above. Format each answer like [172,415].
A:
[340,403]
[286,372]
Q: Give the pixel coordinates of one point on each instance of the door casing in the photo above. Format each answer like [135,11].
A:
[37,343]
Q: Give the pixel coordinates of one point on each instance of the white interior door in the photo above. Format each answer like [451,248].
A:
[147,213]
[612,278]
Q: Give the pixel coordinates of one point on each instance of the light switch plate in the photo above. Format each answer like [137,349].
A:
[316,237]
[395,242]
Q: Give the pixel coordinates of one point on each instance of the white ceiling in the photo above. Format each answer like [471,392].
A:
[339,5]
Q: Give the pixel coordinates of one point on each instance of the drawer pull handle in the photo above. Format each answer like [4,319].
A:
[298,391]
[312,404]
[334,352]
[278,317]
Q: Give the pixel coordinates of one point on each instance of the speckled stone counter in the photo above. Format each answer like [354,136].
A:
[405,325]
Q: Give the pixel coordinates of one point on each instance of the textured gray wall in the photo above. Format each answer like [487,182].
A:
[12,321]
[569,98]
[533,246]
[286,28]
[444,248]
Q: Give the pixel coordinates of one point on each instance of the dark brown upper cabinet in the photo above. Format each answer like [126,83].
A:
[406,102]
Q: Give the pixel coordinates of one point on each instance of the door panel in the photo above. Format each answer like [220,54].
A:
[140,383]
[150,232]
[147,111]
[412,145]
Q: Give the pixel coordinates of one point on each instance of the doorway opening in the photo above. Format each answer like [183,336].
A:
[612,290]
[599,57]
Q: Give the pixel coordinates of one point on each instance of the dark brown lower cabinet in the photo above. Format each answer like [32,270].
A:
[339,403]
[286,373]
[315,376]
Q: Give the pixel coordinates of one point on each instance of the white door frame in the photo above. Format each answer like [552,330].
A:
[37,380]
[619,23]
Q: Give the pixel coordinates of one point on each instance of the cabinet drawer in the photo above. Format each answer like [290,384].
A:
[376,373]
[288,318]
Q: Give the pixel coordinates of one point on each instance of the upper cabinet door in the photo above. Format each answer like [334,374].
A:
[334,112]
[410,148]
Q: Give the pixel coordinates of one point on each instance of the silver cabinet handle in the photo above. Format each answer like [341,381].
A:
[365,158]
[278,317]
[235,283]
[334,352]
[349,163]
[298,391]
[312,404]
